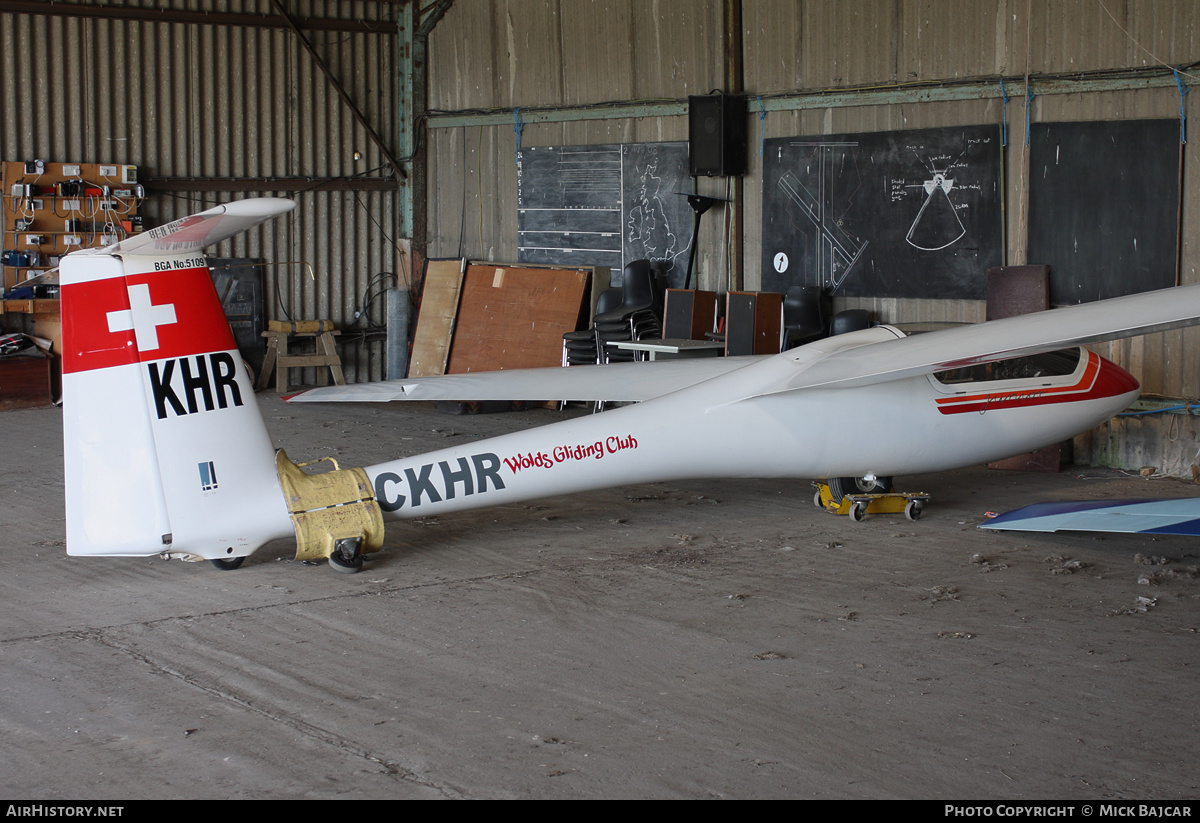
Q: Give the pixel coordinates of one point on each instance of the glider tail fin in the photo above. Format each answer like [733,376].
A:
[165,450]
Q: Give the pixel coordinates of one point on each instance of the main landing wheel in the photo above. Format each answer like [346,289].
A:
[839,487]
[227,565]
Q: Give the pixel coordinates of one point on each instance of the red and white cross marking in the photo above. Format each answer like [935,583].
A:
[142,317]
[153,315]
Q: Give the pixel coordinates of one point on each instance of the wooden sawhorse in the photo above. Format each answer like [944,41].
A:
[278,359]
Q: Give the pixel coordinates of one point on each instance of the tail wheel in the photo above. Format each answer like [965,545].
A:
[338,564]
[347,555]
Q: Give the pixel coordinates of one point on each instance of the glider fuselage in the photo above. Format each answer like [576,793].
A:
[748,424]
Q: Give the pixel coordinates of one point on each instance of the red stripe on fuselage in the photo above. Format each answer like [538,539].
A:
[1100,378]
[99,323]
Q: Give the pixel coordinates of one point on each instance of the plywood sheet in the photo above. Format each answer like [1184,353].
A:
[435,319]
[514,318]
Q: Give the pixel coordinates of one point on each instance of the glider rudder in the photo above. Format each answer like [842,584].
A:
[164,447]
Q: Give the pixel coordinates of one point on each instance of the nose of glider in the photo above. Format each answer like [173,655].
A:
[1114,381]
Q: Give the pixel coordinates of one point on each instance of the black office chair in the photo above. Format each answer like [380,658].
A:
[850,320]
[804,313]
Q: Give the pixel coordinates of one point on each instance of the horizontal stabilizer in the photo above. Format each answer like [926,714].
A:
[199,231]
[629,382]
[1181,516]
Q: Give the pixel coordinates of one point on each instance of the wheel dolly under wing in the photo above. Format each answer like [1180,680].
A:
[857,505]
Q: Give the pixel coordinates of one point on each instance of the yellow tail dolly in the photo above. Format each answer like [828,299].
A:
[335,514]
[859,506]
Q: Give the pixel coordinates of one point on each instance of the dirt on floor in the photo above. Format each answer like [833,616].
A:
[673,640]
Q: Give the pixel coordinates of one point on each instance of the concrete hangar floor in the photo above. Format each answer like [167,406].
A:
[676,640]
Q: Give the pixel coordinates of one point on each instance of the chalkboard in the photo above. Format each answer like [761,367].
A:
[605,205]
[885,214]
[1104,206]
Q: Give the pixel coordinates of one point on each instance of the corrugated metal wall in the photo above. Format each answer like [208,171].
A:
[504,54]
[189,100]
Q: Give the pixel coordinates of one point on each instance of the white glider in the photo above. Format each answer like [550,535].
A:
[166,452]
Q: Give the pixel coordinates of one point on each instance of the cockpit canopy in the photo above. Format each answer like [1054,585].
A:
[1061,363]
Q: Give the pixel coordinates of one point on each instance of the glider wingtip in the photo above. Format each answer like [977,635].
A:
[258,207]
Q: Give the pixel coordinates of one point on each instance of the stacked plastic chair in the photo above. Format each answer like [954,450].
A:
[631,312]
[580,347]
[638,317]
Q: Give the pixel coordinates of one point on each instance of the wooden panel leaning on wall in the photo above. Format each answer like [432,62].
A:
[514,318]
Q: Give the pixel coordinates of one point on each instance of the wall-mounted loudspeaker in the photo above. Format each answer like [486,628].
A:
[717,135]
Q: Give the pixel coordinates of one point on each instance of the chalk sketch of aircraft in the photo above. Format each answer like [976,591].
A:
[166,453]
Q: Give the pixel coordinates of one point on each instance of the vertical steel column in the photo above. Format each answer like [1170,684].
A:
[412,63]
[735,84]
[396,346]
[408,112]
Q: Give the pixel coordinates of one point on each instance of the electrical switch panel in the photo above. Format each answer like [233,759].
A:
[53,209]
